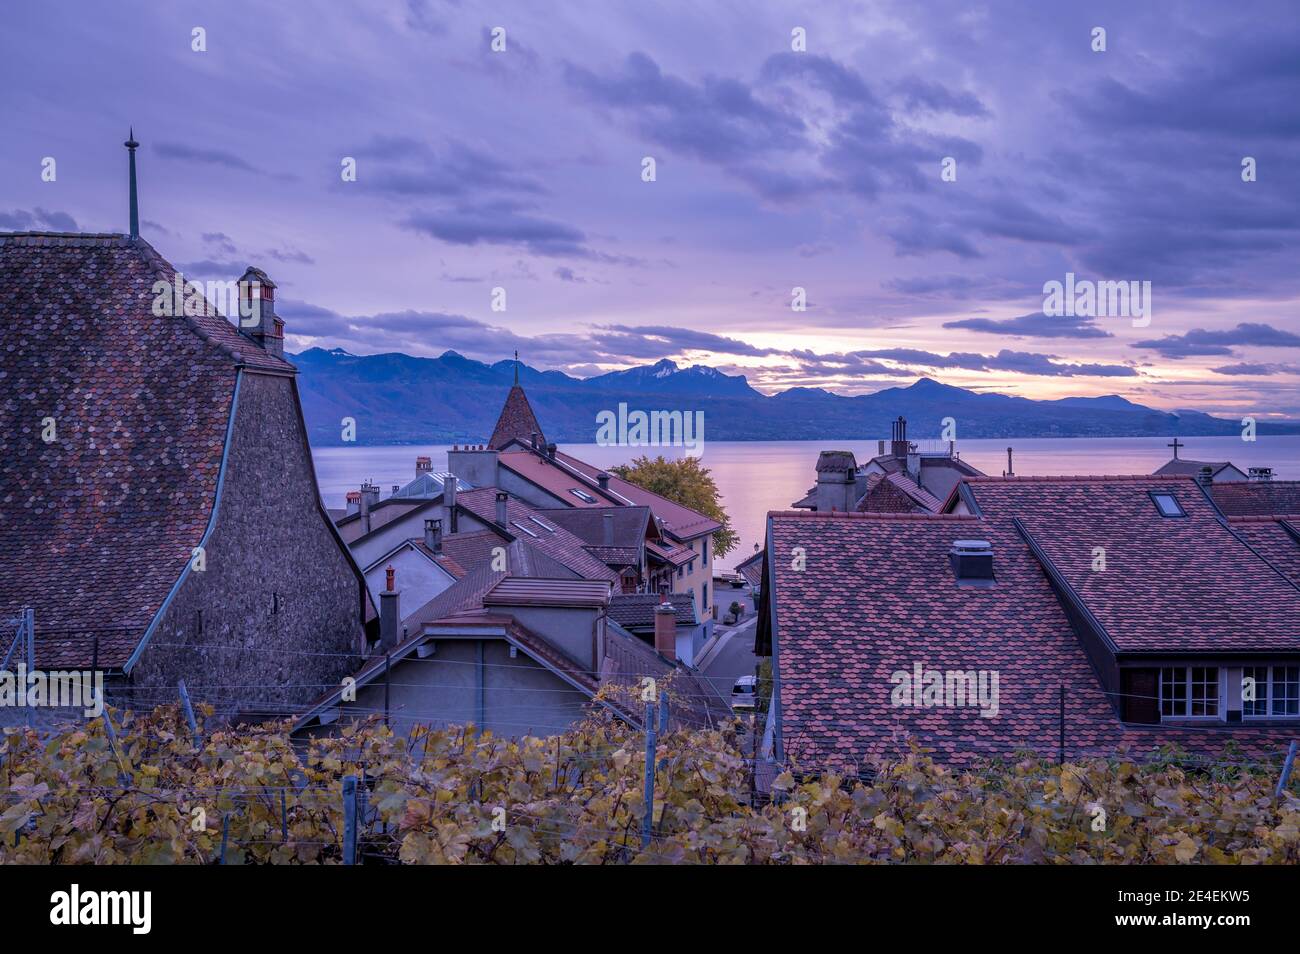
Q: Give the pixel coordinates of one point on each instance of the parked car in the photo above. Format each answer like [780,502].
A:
[744,694]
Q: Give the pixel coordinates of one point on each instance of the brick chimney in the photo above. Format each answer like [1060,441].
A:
[423,465]
[354,502]
[257,316]
[503,513]
[666,629]
[390,617]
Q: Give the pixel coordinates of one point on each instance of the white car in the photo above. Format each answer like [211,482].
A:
[744,694]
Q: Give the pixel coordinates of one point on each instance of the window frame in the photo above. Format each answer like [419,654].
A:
[1188,695]
[1271,695]
[1155,502]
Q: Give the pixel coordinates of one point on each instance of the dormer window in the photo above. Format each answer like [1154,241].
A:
[1189,692]
[1168,506]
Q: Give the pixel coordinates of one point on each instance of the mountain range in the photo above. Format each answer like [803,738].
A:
[399,399]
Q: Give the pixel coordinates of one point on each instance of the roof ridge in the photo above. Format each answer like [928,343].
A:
[872,515]
[1262,517]
[1066,478]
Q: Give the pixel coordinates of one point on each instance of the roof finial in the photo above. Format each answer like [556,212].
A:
[516,369]
[131,146]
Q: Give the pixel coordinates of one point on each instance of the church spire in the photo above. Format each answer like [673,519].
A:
[131,146]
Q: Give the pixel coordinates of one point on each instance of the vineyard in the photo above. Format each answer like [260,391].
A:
[151,793]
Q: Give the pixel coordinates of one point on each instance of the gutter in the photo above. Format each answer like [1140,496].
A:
[207,533]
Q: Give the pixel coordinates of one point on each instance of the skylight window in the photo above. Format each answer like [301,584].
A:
[543,524]
[519,526]
[1168,505]
[582,495]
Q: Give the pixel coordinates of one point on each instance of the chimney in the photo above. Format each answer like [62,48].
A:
[396,488]
[533,442]
[1010,471]
[354,502]
[433,535]
[550,451]
[608,521]
[503,516]
[603,480]
[666,629]
[914,465]
[257,311]
[898,438]
[1260,474]
[449,501]
[369,497]
[880,448]
[1206,477]
[423,465]
[972,561]
[389,616]
[131,147]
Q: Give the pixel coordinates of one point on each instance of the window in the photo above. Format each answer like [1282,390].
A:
[690,567]
[706,596]
[680,571]
[1276,691]
[1189,692]
[582,495]
[706,549]
[1168,505]
[522,529]
[543,524]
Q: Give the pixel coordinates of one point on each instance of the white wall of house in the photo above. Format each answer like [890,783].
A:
[418,578]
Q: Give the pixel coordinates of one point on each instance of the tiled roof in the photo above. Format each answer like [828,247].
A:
[97,525]
[517,421]
[565,483]
[552,539]
[631,524]
[473,548]
[1190,468]
[897,493]
[1171,584]
[682,522]
[1242,498]
[521,591]
[838,462]
[691,699]
[876,595]
[637,610]
[678,555]
[1276,539]
[751,569]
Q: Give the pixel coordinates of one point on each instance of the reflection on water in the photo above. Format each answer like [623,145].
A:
[757,476]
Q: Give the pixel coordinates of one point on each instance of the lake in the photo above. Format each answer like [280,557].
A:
[757,476]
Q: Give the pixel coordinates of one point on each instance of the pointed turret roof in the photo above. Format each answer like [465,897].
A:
[517,421]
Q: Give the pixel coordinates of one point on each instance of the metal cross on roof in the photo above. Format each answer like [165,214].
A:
[1175,445]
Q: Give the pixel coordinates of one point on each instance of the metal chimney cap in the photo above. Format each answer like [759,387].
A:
[972,546]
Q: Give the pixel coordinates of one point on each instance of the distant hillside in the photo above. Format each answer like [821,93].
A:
[399,399]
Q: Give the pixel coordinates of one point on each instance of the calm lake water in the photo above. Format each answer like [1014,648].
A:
[757,476]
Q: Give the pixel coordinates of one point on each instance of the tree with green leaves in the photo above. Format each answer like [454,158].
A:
[685,482]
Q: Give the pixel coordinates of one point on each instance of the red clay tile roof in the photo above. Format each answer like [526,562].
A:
[751,569]
[679,555]
[96,526]
[520,591]
[877,595]
[897,493]
[1276,539]
[681,522]
[1171,584]
[1242,498]
[517,421]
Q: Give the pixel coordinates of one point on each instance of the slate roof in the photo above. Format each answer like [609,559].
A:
[1190,468]
[96,526]
[877,595]
[1171,584]
[637,610]
[1243,498]
[679,521]
[552,539]
[631,524]
[692,700]
[516,422]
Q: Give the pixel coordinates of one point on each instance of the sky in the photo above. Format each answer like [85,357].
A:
[794,146]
